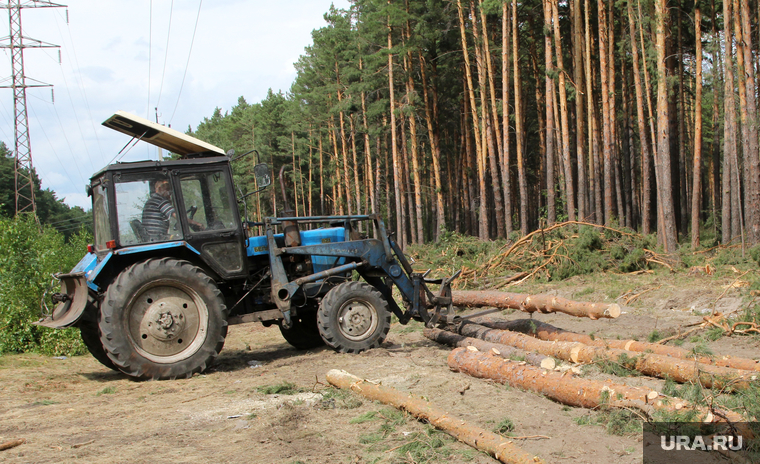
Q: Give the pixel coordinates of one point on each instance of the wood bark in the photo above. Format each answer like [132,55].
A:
[593,131]
[548,332]
[655,365]
[578,71]
[607,117]
[431,116]
[499,349]
[564,123]
[521,175]
[551,209]
[495,445]
[505,170]
[573,391]
[484,74]
[696,198]
[751,155]
[12,444]
[400,234]
[534,303]
[663,134]
[483,217]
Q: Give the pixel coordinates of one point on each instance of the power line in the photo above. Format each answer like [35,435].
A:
[192,41]
[166,55]
[80,84]
[150,51]
[23,167]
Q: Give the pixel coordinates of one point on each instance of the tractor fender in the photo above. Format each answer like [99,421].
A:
[72,300]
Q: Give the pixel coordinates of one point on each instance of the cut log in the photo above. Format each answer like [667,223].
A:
[655,365]
[497,446]
[574,391]
[505,351]
[533,303]
[12,444]
[548,332]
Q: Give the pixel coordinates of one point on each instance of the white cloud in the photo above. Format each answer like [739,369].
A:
[241,48]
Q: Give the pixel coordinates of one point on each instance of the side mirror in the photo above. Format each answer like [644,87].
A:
[263,179]
[261,173]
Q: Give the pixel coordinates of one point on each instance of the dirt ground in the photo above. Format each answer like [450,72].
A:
[75,410]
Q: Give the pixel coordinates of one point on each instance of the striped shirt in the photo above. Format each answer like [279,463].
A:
[155,217]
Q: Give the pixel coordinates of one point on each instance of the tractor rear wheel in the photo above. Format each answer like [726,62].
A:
[354,317]
[304,333]
[88,329]
[163,319]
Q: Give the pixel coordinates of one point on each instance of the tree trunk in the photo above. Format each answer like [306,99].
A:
[551,211]
[400,234]
[492,127]
[505,170]
[572,391]
[655,365]
[663,139]
[547,332]
[505,351]
[645,157]
[435,151]
[491,443]
[578,76]
[483,219]
[607,117]
[696,198]
[519,126]
[534,303]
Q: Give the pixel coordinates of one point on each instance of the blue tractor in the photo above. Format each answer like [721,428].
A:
[173,264]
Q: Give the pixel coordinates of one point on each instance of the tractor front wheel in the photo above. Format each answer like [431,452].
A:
[163,319]
[304,333]
[354,317]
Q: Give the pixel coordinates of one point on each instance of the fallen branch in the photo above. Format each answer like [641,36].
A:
[655,365]
[533,303]
[575,391]
[12,444]
[493,444]
[548,332]
[508,352]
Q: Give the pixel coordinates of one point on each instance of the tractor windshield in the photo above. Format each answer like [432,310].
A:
[208,201]
[146,209]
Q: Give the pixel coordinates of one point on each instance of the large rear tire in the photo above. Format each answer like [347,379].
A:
[304,333]
[354,317]
[88,329]
[163,319]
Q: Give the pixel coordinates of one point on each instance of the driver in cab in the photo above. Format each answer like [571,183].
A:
[159,209]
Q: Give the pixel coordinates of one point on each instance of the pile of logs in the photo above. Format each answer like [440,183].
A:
[523,353]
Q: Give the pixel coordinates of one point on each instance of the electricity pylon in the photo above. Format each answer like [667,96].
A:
[24,169]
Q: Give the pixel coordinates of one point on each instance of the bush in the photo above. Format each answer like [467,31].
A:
[28,258]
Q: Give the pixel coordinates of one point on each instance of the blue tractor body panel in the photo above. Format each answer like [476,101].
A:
[257,246]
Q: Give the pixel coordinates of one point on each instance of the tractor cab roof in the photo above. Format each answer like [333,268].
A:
[192,150]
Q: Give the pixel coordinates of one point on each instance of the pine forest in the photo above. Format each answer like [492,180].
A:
[496,118]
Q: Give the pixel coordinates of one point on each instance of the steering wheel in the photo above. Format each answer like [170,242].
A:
[191,211]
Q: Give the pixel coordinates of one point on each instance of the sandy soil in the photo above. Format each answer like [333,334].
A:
[75,410]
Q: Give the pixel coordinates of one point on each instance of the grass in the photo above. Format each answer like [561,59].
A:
[427,445]
[616,421]
[624,366]
[106,391]
[284,388]
[505,427]
[335,398]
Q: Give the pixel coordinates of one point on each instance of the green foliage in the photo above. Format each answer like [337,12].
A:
[505,426]
[284,388]
[340,399]
[106,391]
[624,366]
[616,421]
[28,258]
[655,336]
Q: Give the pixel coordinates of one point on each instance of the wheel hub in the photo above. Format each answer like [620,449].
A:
[166,322]
[356,320]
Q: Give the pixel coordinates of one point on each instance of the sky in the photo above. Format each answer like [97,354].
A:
[133,55]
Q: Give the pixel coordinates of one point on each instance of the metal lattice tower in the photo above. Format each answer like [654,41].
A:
[24,169]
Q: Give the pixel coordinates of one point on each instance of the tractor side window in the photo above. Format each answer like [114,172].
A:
[207,200]
[100,215]
[146,209]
